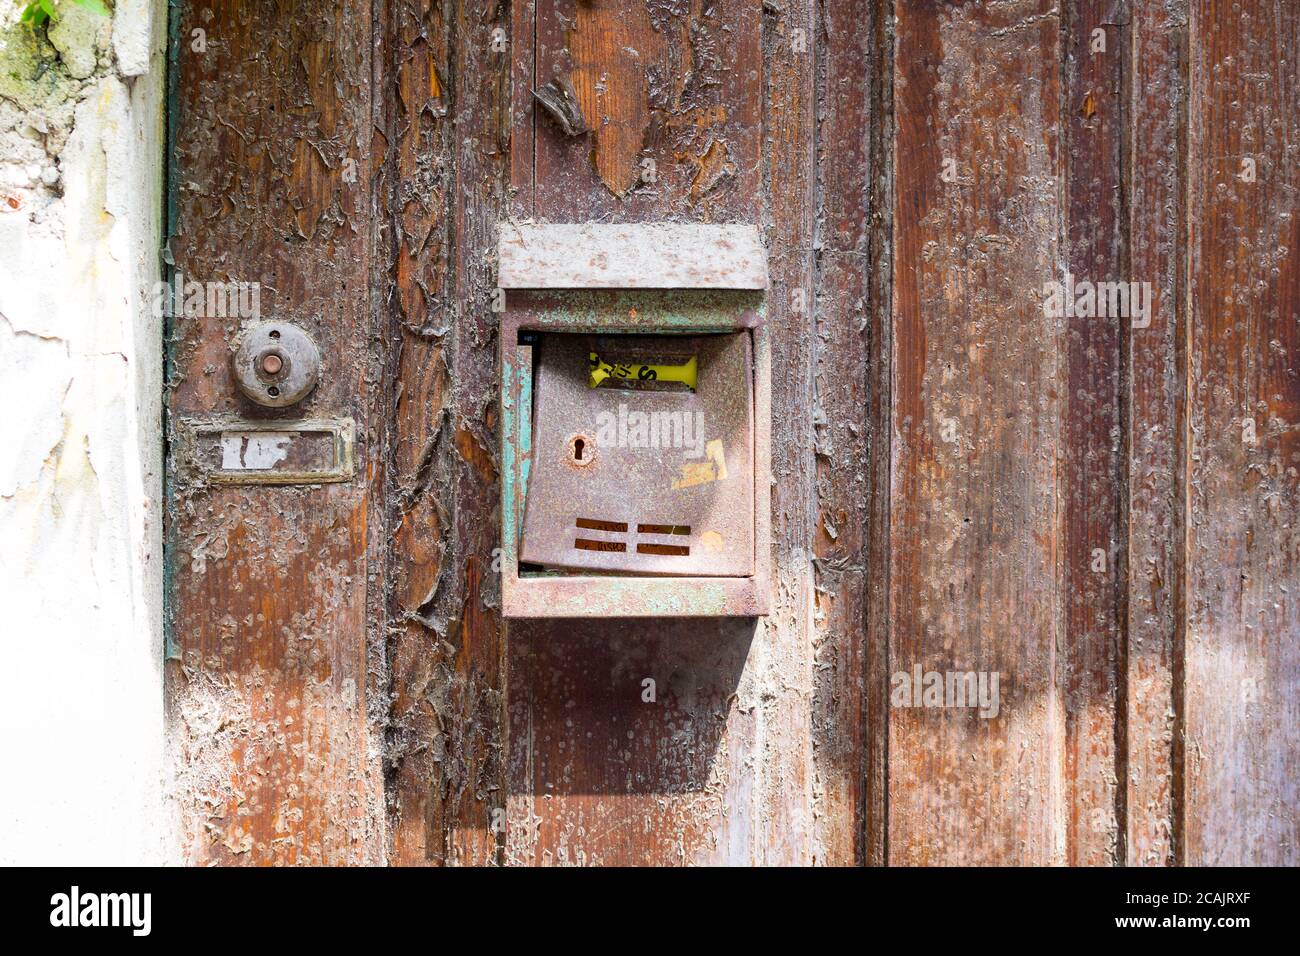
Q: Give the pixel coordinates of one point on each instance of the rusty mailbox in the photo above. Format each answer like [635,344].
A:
[635,396]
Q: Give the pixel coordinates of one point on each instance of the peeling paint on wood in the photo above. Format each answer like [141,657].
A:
[667,88]
[275,761]
[614,48]
[1091,468]
[947,463]
[1243,550]
[978,413]
[1156,447]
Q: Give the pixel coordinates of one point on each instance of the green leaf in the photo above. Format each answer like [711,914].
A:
[95,6]
[33,15]
[38,11]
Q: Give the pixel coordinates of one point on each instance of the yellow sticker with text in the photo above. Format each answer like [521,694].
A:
[602,371]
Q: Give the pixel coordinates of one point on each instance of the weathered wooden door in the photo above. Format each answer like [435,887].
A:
[1100,510]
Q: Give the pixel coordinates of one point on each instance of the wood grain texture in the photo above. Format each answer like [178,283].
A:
[606,769]
[668,92]
[1092,473]
[844,338]
[977,411]
[879,410]
[1243,629]
[473,795]
[1155,461]
[947,460]
[267,691]
[444,746]
[784,765]
[419,303]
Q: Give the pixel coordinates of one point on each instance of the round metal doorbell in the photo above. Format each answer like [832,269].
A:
[277,364]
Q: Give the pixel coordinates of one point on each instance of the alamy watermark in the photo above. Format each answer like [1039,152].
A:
[662,429]
[1085,299]
[207,300]
[76,908]
[948,689]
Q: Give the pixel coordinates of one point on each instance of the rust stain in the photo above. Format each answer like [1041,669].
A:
[713,468]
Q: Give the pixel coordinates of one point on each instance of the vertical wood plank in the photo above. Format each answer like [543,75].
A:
[606,769]
[717,767]
[785,660]
[474,783]
[843,340]
[1092,462]
[1157,97]
[419,299]
[523,134]
[875,807]
[977,413]
[452,71]
[1243,575]
[267,691]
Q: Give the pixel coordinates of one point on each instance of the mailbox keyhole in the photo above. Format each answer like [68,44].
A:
[581,450]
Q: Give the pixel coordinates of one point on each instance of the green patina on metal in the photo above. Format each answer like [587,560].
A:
[516,425]
[525,432]
[554,593]
[509,461]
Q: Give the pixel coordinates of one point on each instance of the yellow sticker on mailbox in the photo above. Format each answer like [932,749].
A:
[602,371]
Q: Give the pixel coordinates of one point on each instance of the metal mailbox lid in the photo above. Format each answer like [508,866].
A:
[642,476]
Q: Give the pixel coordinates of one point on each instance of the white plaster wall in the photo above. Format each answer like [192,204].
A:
[81,706]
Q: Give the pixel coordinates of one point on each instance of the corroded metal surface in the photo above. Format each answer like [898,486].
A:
[600,314]
[661,255]
[234,451]
[276,364]
[642,480]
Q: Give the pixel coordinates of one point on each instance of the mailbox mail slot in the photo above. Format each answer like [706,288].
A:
[635,391]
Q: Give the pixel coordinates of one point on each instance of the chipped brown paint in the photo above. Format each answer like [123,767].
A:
[448,177]
[1156,453]
[614,47]
[1242,757]
[846,335]
[669,92]
[977,430]
[267,694]
[1091,468]
[415,190]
